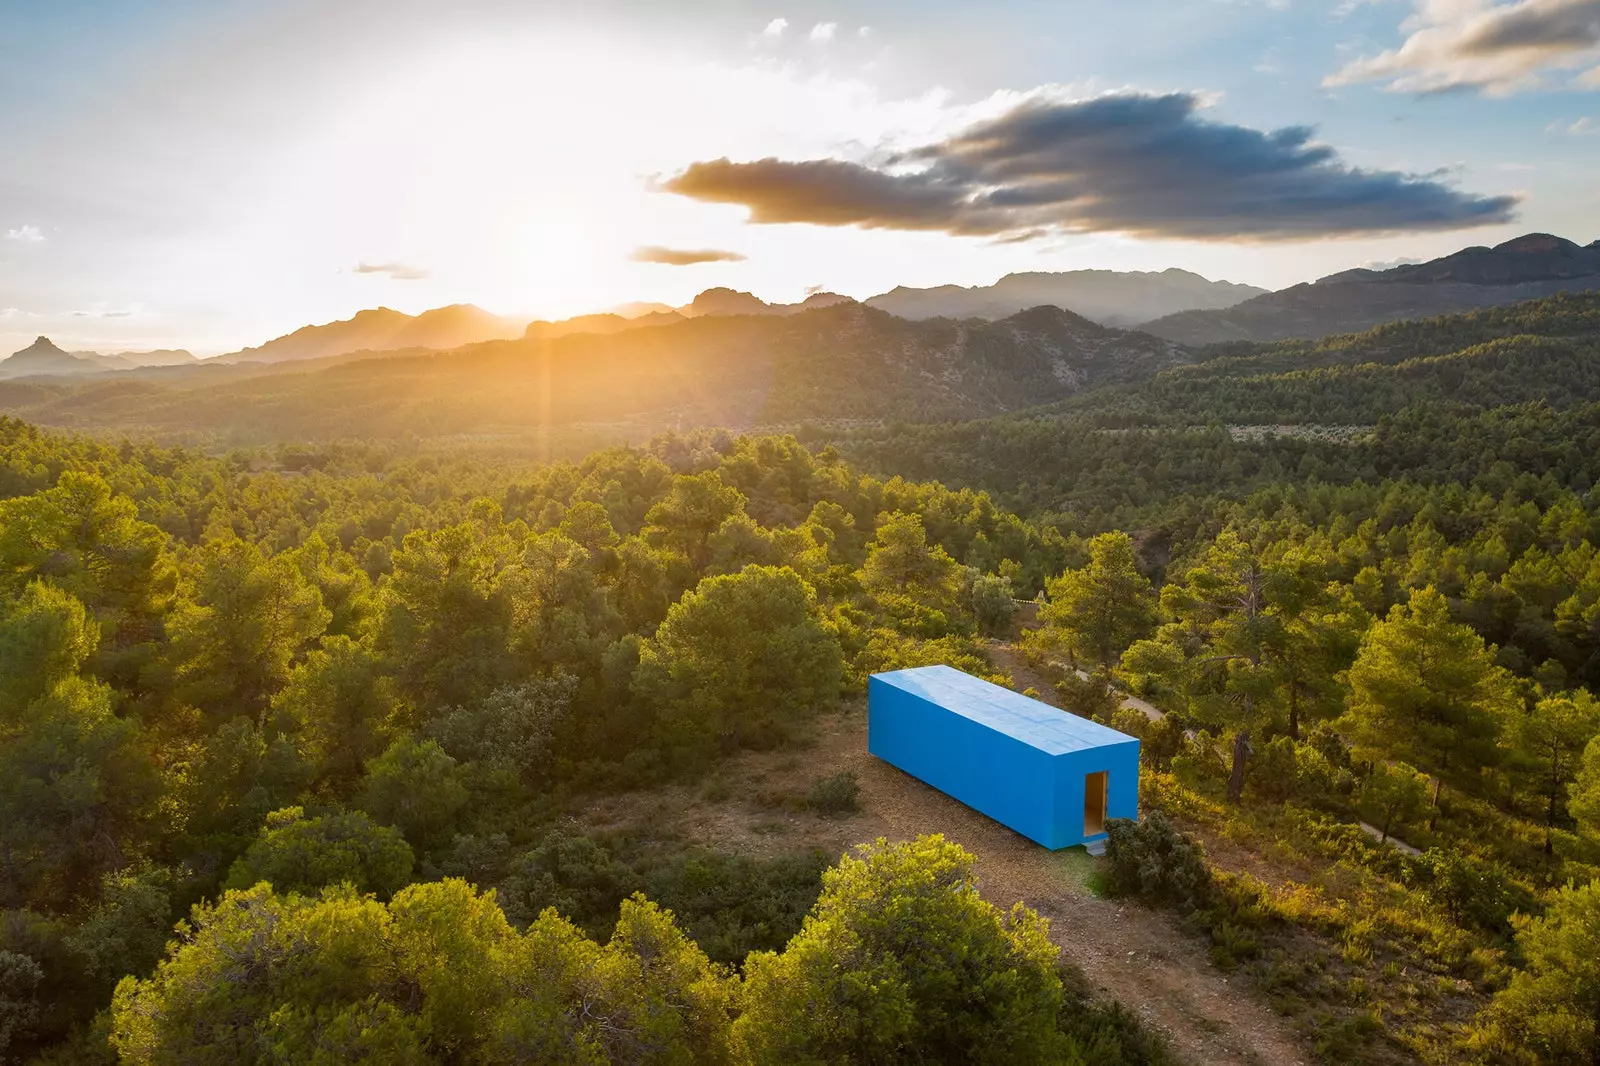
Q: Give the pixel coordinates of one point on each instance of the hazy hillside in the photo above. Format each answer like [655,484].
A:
[846,362]
[158,357]
[710,303]
[45,357]
[382,329]
[1110,297]
[1527,268]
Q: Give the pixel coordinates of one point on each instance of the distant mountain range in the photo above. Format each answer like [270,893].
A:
[1526,268]
[721,302]
[1175,305]
[384,330]
[44,357]
[1110,297]
[844,362]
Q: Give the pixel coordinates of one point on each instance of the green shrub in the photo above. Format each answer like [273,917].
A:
[305,855]
[992,603]
[1089,697]
[1152,861]
[839,794]
[1476,895]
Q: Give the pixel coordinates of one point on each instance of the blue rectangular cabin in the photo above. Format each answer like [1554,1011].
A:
[1052,776]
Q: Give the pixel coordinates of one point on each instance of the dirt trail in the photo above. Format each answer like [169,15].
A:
[1136,955]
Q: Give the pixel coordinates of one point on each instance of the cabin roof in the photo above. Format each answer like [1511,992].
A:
[1031,721]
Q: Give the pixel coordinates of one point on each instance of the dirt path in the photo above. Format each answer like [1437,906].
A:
[1393,841]
[1135,955]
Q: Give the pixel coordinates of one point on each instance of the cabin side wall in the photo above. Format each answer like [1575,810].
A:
[997,775]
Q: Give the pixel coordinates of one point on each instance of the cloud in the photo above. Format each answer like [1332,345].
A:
[1497,48]
[31,234]
[683,256]
[9,313]
[823,31]
[1131,163]
[395,271]
[776,27]
[1582,127]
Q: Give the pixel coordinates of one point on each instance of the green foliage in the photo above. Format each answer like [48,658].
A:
[1549,1012]
[416,787]
[1428,689]
[127,931]
[730,904]
[1101,608]
[1277,771]
[89,541]
[1089,696]
[1151,860]
[742,660]
[1550,740]
[918,582]
[838,794]
[437,973]
[1398,793]
[20,977]
[901,960]
[1585,790]
[512,729]
[74,778]
[234,778]
[45,638]
[1475,894]
[249,618]
[299,854]
[339,707]
[993,604]
[573,874]
[693,509]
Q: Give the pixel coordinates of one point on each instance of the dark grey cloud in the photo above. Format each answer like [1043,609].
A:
[394,271]
[1547,25]
[1500,49]
[1132,163]
[655,253]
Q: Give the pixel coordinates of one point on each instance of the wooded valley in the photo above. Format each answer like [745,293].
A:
[342,705]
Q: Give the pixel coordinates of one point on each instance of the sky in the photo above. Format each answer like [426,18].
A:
[212,173]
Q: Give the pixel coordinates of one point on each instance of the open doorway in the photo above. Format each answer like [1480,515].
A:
[1094,804]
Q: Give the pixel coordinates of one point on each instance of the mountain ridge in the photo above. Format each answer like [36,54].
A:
[383,329]
[1532,266]
[840,362]
[1110,297]
[45,358]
